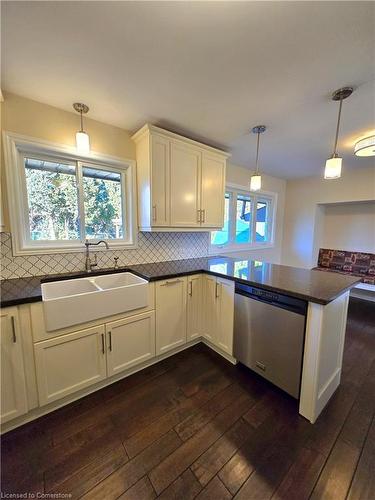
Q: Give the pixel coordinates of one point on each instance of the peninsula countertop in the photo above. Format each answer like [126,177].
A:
[310,285]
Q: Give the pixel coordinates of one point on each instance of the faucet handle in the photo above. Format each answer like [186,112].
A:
[116,261]
[95,263]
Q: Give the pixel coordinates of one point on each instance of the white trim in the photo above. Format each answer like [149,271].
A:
[148,128]
[15,146]
[244,247]
[322,357]
[222,353]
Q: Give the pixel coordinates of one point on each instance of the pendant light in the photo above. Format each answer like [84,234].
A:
[82,138]
[256,178]
[333,165]
[365,147]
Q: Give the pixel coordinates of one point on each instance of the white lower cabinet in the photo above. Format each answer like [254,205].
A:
[194,307]
[70,363]
[13,387]
[186,308]
[218,316]
[225,314]
[209,306]
[130,341]
[170,300]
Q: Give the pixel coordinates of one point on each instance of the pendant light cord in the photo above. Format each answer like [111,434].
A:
[81,121]
[257,156]
[337,130]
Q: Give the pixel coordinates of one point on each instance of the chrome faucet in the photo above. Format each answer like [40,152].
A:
[88,264]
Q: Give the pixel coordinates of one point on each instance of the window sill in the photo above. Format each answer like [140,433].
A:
[214,250]
[78,248]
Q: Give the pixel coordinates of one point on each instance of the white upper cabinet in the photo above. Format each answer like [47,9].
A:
[160,187]
[213,187]
[185,192]
[13,387]
[181,183]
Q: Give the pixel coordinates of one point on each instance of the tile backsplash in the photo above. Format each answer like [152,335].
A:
[152,247]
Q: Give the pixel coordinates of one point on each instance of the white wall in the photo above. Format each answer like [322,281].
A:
[241,177]
[305,211]
[349,226]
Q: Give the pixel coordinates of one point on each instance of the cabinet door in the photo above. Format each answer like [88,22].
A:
[69,363]
[160,155]
[13,388]
[210,308]
[194,307]
[225,314]
[170,314]
[130,341]
[213,190]
[185,181]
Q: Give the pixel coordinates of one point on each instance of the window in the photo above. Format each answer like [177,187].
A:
[248,221]
[58,200]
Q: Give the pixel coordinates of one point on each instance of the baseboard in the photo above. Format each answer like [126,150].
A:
[327,391]
[225,355]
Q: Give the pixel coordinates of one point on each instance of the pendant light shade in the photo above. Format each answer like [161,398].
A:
[255,182]
[82,137]
[82,142]
[333,168]
[365,147]
[256,178]
[333,165]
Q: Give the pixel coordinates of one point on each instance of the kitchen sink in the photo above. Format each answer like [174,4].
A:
[117,280]
[60,289]
[70,302]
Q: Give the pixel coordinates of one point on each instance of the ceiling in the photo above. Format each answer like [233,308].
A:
[211,70]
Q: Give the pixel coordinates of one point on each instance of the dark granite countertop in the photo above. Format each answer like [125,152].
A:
[310,285]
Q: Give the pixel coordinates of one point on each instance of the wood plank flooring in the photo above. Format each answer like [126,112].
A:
[194,426]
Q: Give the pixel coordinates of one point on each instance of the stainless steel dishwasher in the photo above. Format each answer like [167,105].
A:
[269,330]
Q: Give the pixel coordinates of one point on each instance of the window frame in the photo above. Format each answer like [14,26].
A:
[232,246]
[16,148]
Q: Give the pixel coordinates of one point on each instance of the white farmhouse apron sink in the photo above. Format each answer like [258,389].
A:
[70,302]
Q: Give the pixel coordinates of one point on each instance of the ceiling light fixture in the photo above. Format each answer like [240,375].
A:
[256,178]
[333,165]
[365,147]
[82,137]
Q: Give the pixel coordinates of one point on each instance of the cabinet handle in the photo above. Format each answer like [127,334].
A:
[110,340]
[14,337]
[217,290]
[191,288]
[199,215]
[203,215]
[103,349]
[153,212]
[168,282]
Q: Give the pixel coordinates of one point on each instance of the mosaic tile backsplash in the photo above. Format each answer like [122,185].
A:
[152,247]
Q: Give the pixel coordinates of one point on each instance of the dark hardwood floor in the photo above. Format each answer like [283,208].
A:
[194,426]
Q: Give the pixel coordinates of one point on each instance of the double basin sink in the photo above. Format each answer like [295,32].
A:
[70,302]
